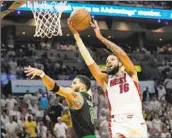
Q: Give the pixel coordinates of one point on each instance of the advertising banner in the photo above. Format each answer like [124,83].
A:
[110,10]
[21,86]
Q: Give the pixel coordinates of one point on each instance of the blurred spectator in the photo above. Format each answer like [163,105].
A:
[146,94]
[104,129]
[15,112]
[39,113]
[4,77]
[55,111]
[154,105]
[44,101]
[3,101]
[10,102]
[66,118]
[161,92]
[11,126]
[30,128]
[149,122]
[60,129]
[12,65]
[156,123]
[154,133]
[165,133]
[27,97]
[42,130]
[28,115]
[4,117]
[168,85]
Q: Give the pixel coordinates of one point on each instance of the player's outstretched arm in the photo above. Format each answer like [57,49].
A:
[74,99]
[100,77]
[116,50]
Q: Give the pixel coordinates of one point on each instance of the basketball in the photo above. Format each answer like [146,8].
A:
[80,19]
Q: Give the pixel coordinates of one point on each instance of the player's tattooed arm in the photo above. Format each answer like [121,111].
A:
[128,64]
[76,102]
[51,85]
[116,50]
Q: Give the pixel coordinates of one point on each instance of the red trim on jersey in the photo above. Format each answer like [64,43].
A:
[121,136]
[110,109]
[138,89]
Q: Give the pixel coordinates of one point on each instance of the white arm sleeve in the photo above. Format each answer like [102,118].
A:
[83,50]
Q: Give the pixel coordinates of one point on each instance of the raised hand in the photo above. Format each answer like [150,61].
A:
[73,30]
[94,24]
[32,72]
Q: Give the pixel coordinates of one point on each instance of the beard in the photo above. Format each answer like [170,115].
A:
[77,89]
[112,71]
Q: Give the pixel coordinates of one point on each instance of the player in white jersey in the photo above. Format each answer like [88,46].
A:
[121,86]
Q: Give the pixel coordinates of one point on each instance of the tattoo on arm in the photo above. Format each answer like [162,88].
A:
[113,47]
[77,101]
[120,53]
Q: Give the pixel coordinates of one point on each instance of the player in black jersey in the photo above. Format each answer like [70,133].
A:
[77,98]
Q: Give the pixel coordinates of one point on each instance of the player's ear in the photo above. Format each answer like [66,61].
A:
[120,64]
[123,68]
[83,87]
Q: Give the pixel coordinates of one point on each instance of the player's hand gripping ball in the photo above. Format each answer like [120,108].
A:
[80,19]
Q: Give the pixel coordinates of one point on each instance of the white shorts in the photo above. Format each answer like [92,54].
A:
[129,126]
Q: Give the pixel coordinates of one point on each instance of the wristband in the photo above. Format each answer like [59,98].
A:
[55,88]
[76,36]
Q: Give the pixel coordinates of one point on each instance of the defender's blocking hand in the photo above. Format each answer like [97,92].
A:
[32,72]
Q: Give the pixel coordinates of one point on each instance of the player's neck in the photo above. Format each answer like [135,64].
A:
[119,73]
[83,90]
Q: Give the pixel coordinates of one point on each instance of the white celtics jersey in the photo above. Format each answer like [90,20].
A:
[124,95]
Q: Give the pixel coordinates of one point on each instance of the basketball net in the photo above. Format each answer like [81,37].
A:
[47,15]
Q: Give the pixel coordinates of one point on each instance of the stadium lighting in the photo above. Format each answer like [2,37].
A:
[18,12]
[159,21]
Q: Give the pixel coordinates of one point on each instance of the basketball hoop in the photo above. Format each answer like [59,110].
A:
[47,15]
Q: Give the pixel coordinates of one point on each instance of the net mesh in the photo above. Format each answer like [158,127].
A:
[47,15]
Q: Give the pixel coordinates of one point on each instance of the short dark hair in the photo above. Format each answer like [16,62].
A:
[85,80]
[29,118]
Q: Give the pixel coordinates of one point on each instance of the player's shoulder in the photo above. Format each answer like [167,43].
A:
[134,77]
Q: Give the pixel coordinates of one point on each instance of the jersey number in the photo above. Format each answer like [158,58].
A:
[124,87]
